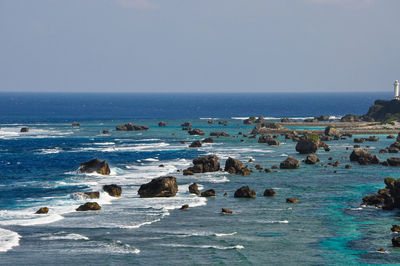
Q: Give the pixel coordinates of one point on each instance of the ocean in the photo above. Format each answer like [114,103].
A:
[39,169]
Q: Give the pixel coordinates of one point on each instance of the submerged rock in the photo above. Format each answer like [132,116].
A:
[269,192]
[113,190]
[95,165]
[245,192]
[224,210]
[89,206]
[292,200]
[159,187]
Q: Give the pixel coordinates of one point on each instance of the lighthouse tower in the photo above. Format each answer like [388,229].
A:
[396,90]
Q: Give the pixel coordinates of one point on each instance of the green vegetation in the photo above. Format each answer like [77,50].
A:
[313,137]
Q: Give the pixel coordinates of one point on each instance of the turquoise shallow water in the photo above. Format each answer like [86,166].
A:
[327,226]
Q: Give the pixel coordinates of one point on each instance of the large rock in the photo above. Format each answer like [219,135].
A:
[306,146]
[131,127]
[290,163]
[89,206]
[159,187]
[331,131]
[204,164]
[311,159]
[197,132]
[245,192]
[195,144]
[363,157]
[194,189]
[95,165]
[113,190]
[393,161]
[208,193]
[234,166]
[389,197]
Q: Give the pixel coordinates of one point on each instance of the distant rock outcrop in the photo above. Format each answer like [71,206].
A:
[131,127]
[265,127]
[383,110]
[95,165]
[159,187]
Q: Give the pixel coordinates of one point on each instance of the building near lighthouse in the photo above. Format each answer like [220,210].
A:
[396,90]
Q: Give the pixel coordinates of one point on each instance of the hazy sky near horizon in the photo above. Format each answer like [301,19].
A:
[199,45]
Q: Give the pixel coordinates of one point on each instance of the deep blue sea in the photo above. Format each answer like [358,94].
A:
[39,168]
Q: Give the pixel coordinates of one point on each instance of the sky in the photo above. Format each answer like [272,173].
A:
[199,45]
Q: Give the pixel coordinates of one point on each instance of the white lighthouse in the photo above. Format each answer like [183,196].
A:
[396,90]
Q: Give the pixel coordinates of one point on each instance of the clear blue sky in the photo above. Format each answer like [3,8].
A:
[199,45]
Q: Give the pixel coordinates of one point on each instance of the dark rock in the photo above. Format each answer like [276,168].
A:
[258,167]
[208,193]
[269,192]
[322,118]
[290,163]
[223,123]
[208,140]
[43,210]
[76,124]
[185,207]
[363,157]
[292,200]
[393,149]
[245,192]
[224,210]
[106,132]
[182,142]
[225,194]
[113,190]
[306,146]
[373,200]
[92,195]
[219,134]
[234,166]
[195,144]
[159,187]
[373,138]
[95,165]
[396,241]
[395,228]
[331,131]
[161,165]
[211,121]
[267,170]
[186,126]
[285,120]
[390,137]
[197,132]
[347,166]
[89,206]
[351,118]
[162,124]
[383,151]
[361,140]
[393,161]
[203,164]
[24,129]
[131,127]
[194,189]
[311,159]
[274,167]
